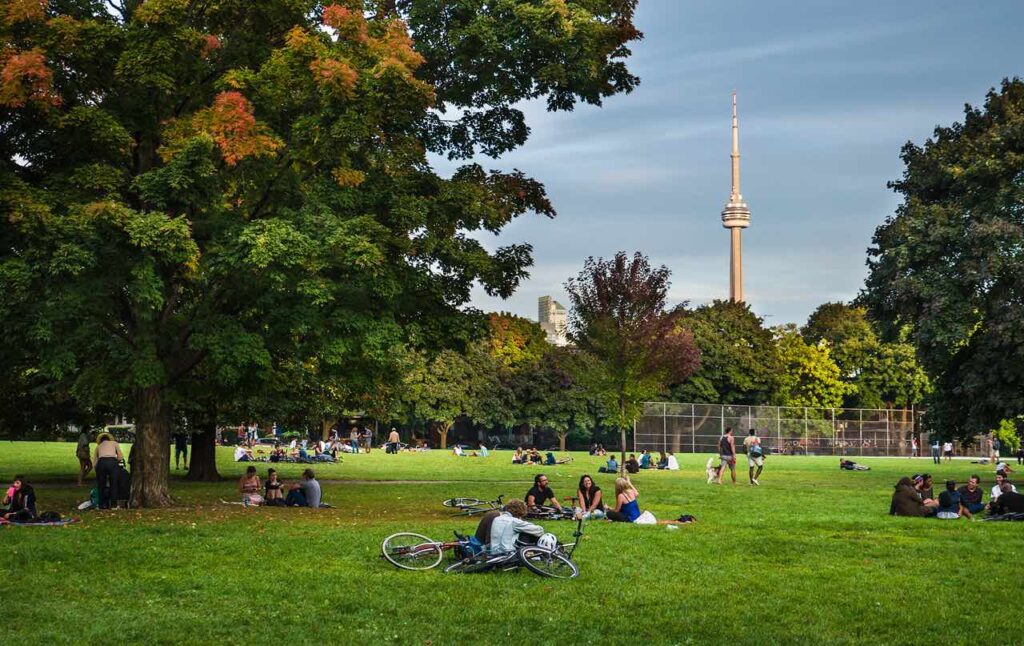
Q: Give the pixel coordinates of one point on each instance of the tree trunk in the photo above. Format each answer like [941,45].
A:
[561,441]
[622,438]
[203,462]
[442,431]
[152,449]
[325,429]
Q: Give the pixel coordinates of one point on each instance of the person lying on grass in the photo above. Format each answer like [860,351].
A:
[23,501]
[850,465]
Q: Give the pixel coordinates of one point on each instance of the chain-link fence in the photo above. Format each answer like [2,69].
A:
[696,428]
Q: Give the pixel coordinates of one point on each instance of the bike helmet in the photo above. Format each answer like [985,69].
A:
[548,542]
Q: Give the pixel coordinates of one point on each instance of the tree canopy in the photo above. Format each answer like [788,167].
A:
[949,265]
[198,192]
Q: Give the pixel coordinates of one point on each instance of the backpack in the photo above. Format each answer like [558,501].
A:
[48,517]
[756,451]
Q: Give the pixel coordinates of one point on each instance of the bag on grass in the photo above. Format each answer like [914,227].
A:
[646,518]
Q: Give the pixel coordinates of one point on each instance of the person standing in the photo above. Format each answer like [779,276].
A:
[914,446]
[727,452]
[368,436]
[107,456]
[180,449]
[755,456]
[394,441]
[996,445]
[936,447]
[947,450]
[82,453]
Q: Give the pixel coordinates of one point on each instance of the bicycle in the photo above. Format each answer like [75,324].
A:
[416,552]
[471,506]
[555,563]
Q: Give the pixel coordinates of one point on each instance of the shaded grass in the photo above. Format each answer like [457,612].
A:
[809,556]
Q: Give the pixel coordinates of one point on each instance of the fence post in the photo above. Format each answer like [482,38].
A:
[778,428]
[806,436]
[634,435]
[833,431]
[693,428]
[664,426]
[888,440]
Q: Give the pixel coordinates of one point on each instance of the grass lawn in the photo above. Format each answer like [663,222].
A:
[809,556]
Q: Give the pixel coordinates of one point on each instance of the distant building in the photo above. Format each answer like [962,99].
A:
[553,318]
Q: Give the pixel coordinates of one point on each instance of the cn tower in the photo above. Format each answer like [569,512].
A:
[736,215]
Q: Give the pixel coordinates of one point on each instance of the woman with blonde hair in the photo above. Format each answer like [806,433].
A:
[627,509]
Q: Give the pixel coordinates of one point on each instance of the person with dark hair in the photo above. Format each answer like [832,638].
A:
[180,449]
[755,456]
[970,495]
[483,528]
[611,466]
[997,490]
[907,502]
[1008,502]
[1020,454]
[273,489]
[306,493]
[23,502]
[923,485]
[727,451]
[850,465]
[662,460]
[509,526]
[632,466]
[82,453]
[645,459]
[589,499]
[107,456]
[951,505]
[249,487]
[540,492]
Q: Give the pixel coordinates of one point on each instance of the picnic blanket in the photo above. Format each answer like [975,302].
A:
[54,523]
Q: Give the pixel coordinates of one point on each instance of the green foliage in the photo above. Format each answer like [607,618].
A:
[948,263]
[1008,433]
[738,361]
[232,201]
[807,376]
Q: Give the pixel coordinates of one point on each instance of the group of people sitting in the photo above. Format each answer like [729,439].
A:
[304,452]
[481,452]
[589,502]
[304,493]
[598,449]
[914,496]
[533,456]
[666,461]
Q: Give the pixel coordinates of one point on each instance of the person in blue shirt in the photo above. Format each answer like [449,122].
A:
[645,460]
[951,504]
[627,509]
[611,467]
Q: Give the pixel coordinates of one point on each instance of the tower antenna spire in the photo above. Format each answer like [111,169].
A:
[735,215]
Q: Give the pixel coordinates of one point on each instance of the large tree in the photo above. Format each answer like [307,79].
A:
[638,349]
[807,374]
[949,265]
[196,189]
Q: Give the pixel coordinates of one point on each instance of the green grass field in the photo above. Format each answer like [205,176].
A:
[810,556]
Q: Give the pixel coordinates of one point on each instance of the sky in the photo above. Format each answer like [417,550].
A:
[828,93]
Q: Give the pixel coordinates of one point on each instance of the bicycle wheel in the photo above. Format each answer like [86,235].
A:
[462,502]
[411,551]
[545,563]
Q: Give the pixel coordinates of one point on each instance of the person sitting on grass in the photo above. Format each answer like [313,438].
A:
[970,495]
[518,457]
[243,454]
[610,467]
[1008,502]
[458,452]
[306,493]
[273,489]
[632,466]
[601,450]
[533,457]
[22,501]
[588,498]
[509,527]
[951,506]
[850,465]
[540,493]
[645,459]
[249,487]
[672,463]
[907,502]
[923,484]
[483,451]
[997,490]
[627,509]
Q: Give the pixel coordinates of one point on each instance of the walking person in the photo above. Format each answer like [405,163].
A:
[947,450]
[936,447]
[394,441]
[180,449]
[914,447]
[755,456]
[107,456]
[82,453]
[727,451]
[368,436]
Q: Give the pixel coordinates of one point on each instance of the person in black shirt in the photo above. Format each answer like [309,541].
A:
[1008,502]
[180,449]
[540,492]
[970,495]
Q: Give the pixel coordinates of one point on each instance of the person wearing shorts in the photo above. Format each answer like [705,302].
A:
[755,456]
[947,451]
[727,451]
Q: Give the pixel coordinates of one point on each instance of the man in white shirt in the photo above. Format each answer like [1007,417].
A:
[1000,479]
[947,450]
[242,454]
[507,527]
